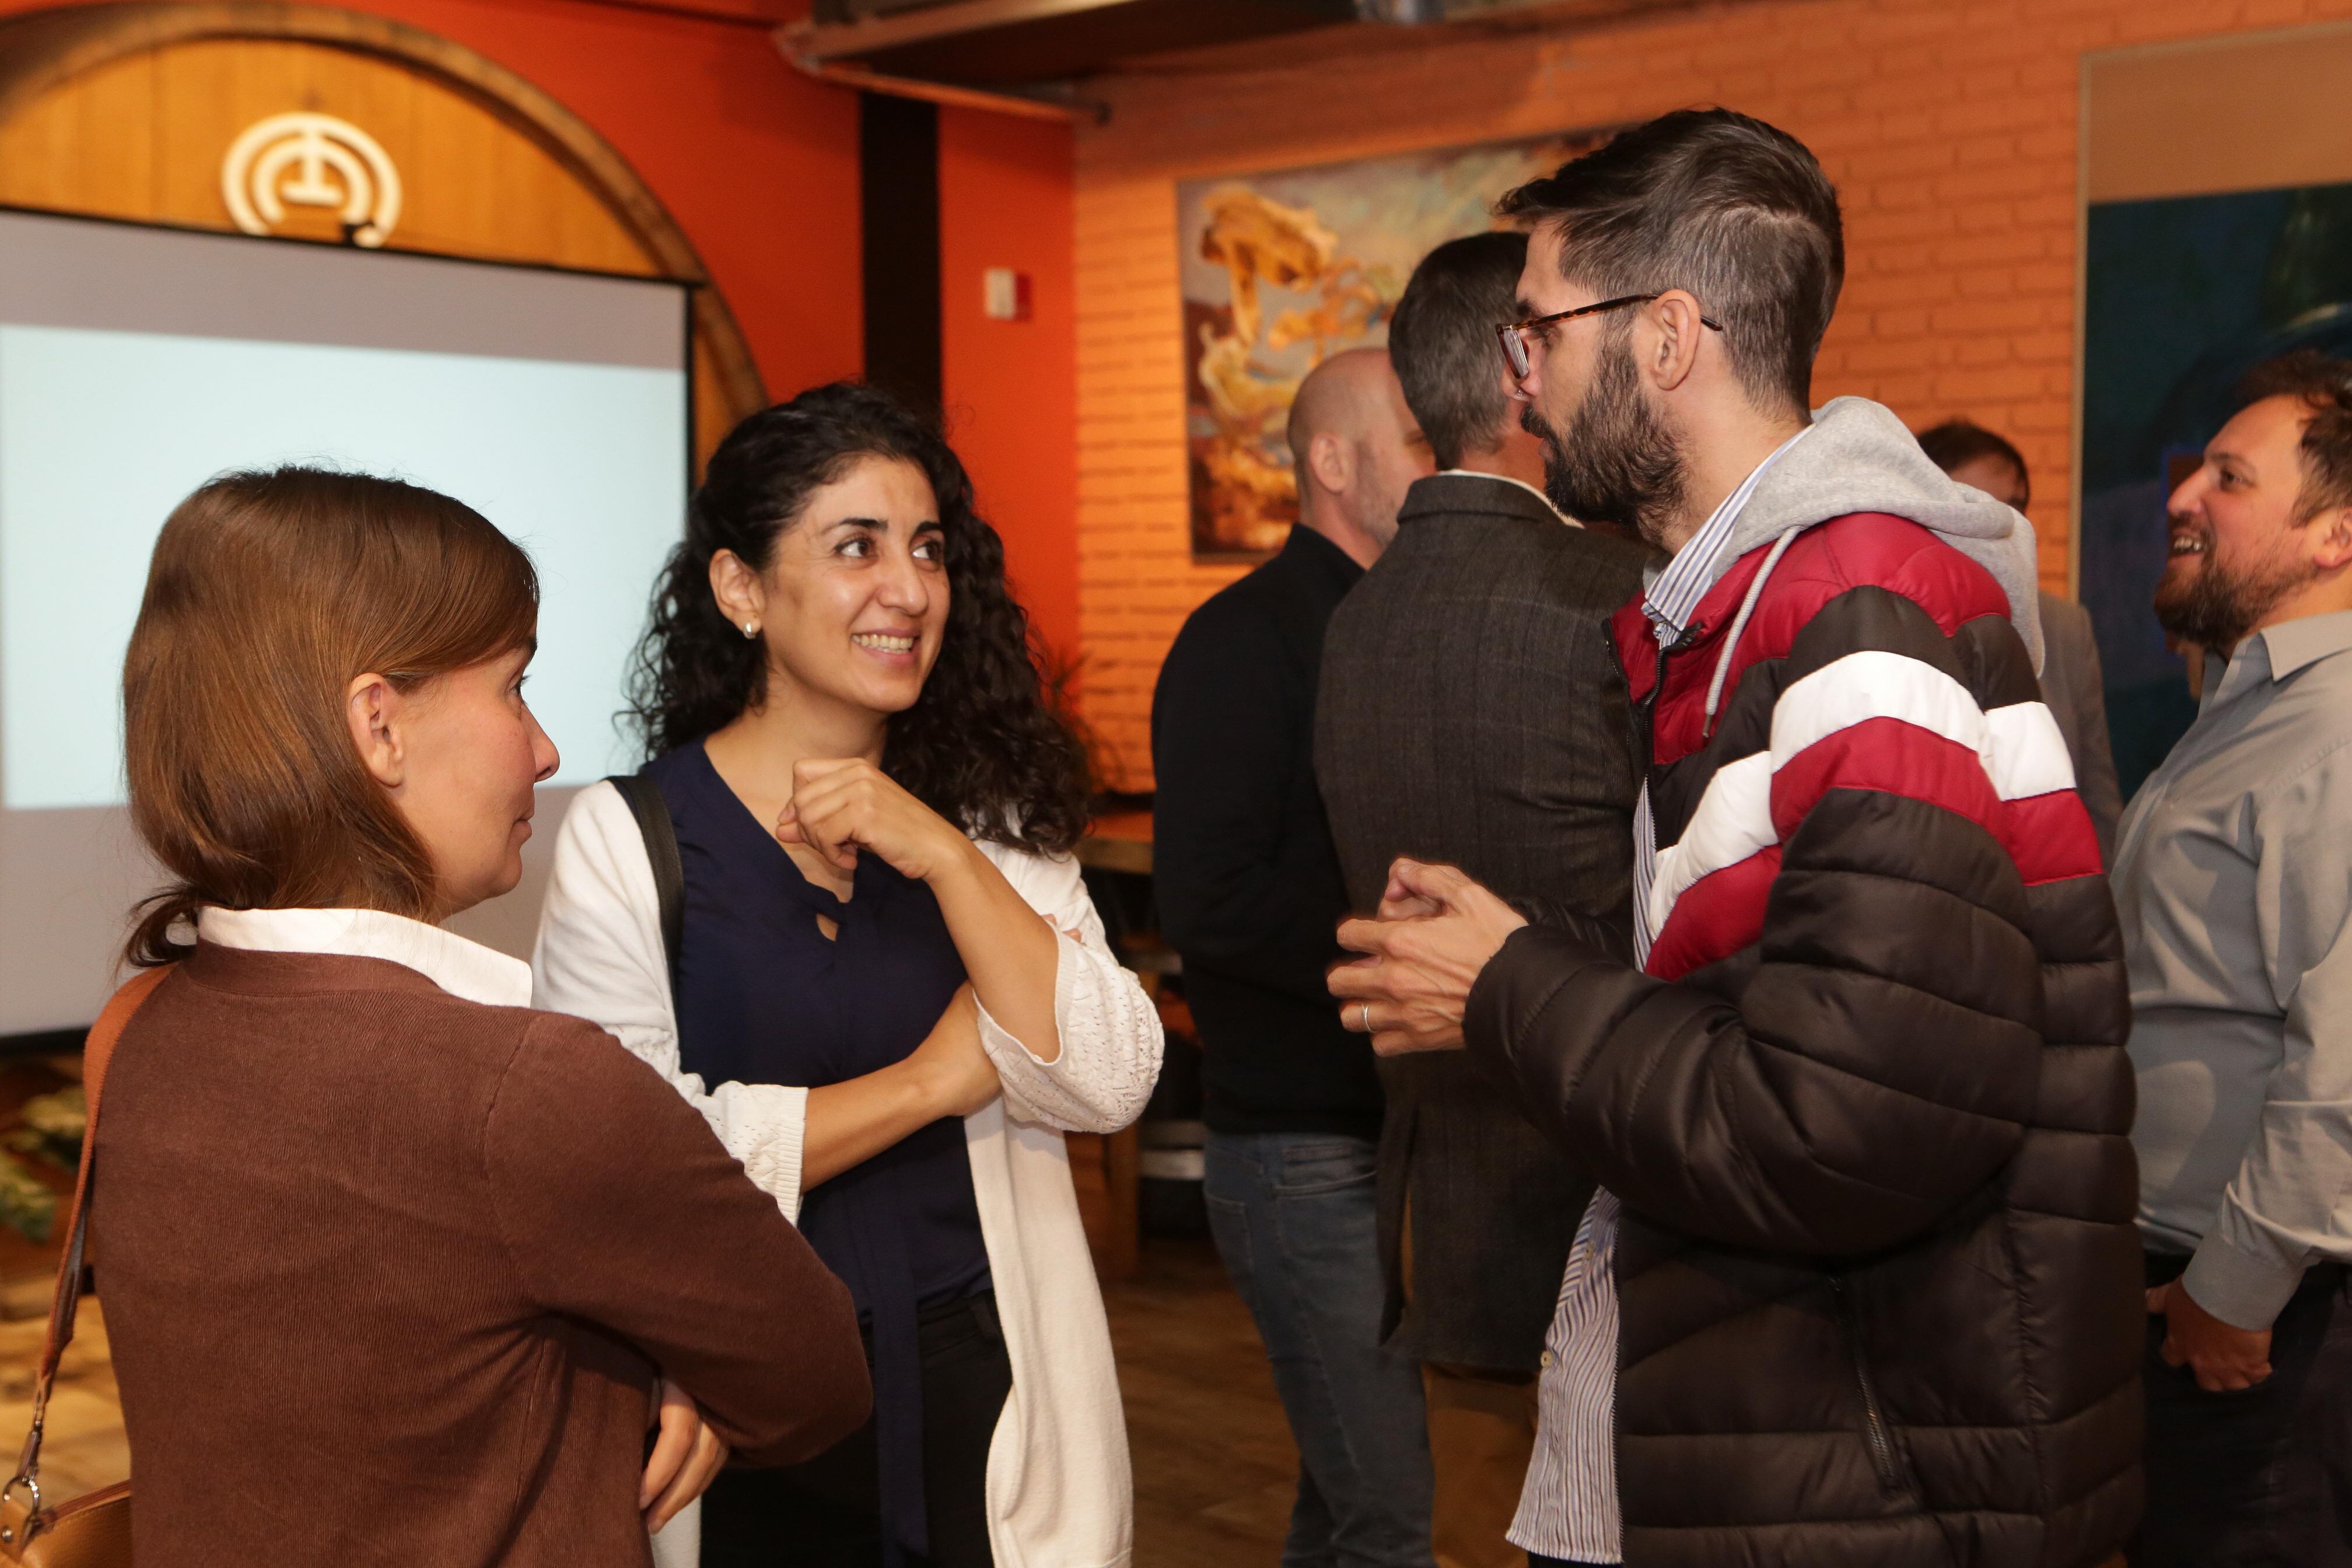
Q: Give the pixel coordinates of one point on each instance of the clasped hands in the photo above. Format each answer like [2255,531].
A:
[1436,929]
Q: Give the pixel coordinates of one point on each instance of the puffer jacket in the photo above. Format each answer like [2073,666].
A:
[1867,1110]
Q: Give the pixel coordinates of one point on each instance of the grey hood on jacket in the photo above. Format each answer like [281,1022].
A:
[1858,456]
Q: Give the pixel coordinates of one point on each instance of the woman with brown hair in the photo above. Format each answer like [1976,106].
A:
[396,1269]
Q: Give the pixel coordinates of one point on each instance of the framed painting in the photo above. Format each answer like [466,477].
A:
[1281,270]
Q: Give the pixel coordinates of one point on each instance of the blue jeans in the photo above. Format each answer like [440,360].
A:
[1293,1217]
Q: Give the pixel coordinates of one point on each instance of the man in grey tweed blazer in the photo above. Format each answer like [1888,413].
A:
[2071,682]
[1471,711]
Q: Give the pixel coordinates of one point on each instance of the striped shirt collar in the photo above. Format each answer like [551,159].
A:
[1676,590]
[462,968]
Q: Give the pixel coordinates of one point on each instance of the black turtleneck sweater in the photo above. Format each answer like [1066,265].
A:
[1248,884]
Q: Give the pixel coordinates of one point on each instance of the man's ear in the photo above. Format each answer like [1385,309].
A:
[1512,388]
[736,588]
[1333,460]
[1668,348]
[377,713]
[2331,540]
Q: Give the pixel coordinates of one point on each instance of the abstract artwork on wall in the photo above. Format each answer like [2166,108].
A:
[1282,270]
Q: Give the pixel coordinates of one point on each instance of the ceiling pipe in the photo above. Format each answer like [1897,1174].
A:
[790,41]
[927,24]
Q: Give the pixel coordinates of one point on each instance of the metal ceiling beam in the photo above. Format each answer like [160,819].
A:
[821,41]
[791,42]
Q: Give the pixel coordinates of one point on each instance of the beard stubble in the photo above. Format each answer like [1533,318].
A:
[2218,607]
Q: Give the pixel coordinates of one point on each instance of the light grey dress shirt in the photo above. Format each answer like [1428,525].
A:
[2235,882]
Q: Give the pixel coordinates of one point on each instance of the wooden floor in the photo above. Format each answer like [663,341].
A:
[1214,1470]
[83,1449]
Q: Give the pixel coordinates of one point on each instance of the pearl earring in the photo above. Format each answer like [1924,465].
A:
[750,628]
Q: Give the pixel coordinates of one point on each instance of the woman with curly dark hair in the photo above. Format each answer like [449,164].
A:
[884,984]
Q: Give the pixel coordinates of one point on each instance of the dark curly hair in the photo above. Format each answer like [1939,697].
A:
[986,744]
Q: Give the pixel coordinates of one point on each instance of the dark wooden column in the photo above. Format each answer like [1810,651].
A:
[898,191]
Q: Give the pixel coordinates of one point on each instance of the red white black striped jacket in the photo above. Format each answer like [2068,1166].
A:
[1867,1112]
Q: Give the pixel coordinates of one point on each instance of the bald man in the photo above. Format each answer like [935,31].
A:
[1250,893]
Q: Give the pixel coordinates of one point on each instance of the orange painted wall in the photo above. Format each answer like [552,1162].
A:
[756,162]
[1011,386]
[1948,125]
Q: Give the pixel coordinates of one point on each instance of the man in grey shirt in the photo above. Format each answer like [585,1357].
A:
[2234,884]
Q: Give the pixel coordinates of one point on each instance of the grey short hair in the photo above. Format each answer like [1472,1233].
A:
[1441,340]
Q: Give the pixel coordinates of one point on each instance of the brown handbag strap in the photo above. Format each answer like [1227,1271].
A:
[95,1054]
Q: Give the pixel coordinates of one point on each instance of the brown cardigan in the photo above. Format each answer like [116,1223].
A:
[387,1275]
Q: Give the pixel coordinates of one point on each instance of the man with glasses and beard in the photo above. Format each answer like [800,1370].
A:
[1860,1284]
[2234,884]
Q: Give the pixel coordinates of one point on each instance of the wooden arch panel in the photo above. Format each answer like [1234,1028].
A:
[127,110]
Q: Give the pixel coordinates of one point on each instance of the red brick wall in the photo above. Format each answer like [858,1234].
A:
[1948,125]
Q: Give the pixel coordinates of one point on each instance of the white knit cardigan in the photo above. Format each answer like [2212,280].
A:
[1059,1491]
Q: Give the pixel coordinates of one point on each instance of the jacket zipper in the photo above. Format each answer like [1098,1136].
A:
[1882,1442]
[1643,715]
[1642,718]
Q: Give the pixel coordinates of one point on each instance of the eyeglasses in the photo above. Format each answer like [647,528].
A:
[1514,334]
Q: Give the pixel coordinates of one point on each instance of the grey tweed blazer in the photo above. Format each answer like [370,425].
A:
[2071,685]
[1471,711]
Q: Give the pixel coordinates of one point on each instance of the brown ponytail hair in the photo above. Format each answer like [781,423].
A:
[268,594]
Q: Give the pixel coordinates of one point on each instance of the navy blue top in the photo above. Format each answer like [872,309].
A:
[764,997]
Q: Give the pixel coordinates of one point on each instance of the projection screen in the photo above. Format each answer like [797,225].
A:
[137,362]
